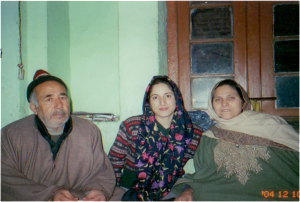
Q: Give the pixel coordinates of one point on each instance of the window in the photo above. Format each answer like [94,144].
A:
[280,57]
[211,41]
[211,48]
[286,54]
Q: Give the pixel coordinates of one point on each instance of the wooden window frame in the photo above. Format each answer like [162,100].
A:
[267,65]
[179,61]
[253,64]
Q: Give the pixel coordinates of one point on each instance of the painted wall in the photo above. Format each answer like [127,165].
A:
[34,46]
[162,38]
[10,85]
[0,57]
[58,40]
[94,56]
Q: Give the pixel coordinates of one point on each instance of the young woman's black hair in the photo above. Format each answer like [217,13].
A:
[158,81]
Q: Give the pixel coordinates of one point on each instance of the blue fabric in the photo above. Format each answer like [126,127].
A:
[201,119]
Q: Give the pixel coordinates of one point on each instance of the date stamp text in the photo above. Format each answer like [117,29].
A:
[280,194]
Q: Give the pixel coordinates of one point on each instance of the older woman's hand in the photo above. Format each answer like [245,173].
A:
[186,195]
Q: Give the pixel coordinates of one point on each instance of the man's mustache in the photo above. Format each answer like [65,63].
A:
[59,111]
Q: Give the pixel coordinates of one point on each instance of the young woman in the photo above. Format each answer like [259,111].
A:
[150,150]
[246,155]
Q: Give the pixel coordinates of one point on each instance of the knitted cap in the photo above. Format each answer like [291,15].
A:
[40,77]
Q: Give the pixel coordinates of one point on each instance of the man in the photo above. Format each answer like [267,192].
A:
[51,155]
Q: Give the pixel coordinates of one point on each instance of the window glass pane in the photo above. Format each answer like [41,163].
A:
[208,2]
[212,58]
[211,23]
[200,90]
[287,91]
[286,54]
[286,20]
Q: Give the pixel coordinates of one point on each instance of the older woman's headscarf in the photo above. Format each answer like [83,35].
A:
[270,127]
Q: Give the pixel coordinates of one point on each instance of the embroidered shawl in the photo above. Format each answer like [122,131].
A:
[157,165]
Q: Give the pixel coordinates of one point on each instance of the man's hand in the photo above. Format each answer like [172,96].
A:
[186,195]
[94,195]
[63,195]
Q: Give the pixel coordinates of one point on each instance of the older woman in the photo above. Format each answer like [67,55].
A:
[246,155]
[150,150]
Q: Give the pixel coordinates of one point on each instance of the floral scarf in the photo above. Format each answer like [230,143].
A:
[157,167]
